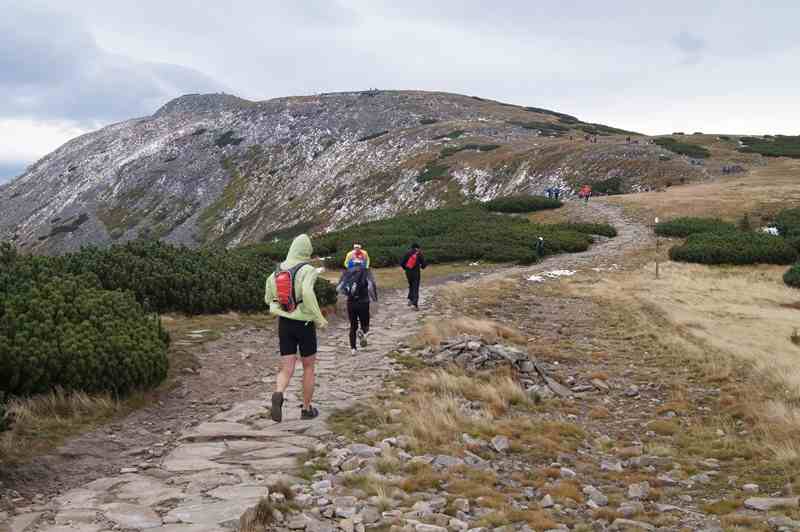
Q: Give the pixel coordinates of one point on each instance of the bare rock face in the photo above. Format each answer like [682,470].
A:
[217,168]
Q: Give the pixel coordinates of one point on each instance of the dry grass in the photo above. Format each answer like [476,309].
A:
[565,489]
[761,193]
[434,332]
[42,422]
[733,324]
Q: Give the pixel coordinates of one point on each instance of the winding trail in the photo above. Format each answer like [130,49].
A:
[206,475]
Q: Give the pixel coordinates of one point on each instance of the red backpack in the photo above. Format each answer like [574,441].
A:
[411,263]
[284,287]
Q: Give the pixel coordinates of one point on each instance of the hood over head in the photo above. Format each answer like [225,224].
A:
[300,251]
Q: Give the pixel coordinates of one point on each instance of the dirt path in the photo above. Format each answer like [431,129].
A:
[205,453]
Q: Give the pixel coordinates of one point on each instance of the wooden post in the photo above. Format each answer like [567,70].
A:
[657,246]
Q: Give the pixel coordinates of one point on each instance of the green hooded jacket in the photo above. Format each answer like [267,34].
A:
[308,309]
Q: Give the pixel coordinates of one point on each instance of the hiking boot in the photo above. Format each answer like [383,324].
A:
[416,307]
[362,338]
[353,352]
[277,407]
[311,413]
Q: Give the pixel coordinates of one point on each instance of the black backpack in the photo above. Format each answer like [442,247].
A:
[354,284]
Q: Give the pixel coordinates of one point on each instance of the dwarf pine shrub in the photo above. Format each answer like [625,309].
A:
[683,227]
[734,248]
[792,276]
[520,204]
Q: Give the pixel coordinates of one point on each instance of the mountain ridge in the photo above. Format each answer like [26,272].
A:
[219,169]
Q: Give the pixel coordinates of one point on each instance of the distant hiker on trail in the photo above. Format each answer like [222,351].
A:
[290,296]
[358,255]
[540,247]
[413,263]
[556,192]
[585,192]
[548,192]
[359,286]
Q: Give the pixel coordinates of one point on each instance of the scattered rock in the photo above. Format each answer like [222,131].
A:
[750,488]
[768,503]
[500,444]
[546,502]
[629,509]
[627,524]
[595,495]
[638,490]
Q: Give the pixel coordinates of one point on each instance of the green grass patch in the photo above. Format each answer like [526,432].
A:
[683,227]
[683,148]
[772,146]
[788,222]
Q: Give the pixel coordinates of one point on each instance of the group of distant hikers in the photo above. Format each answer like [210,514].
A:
[290,295]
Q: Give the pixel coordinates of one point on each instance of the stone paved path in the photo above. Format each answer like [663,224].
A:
[223,466]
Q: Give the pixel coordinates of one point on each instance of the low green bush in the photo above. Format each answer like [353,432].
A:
[64,330]
[683,227]
[228,138]
[546,129]
[734,248]
[788,222]
[452,150]
[427,121]
[610,186]
[432,171]
[772,146]
[451,135]
[792,276]
[590,228]
[446,235]
[683,148]
[521,204]
[372,136]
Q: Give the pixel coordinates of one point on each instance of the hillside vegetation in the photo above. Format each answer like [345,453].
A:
[450,235]
[218,170]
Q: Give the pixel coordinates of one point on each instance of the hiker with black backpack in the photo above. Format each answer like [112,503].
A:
[290,296]
[357,256]
[413,263]
[358,285]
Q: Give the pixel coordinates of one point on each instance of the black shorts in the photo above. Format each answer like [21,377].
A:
[294,335]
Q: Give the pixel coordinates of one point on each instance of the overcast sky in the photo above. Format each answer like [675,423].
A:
[722,66]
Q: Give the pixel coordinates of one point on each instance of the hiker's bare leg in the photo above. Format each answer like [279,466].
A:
[309,376]
[285,374]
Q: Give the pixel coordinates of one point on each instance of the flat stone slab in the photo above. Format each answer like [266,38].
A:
[768,503]
[148,492]
[287,463]
[74,527]
[276,451]
[208,480]
[214,513]
[66,517]
[191,528]
[223,430]
[194,457]
[242,491]
[79,498]
[131,515]
[22,521]
[242,411]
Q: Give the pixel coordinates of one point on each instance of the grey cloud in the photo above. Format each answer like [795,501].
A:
[52,68]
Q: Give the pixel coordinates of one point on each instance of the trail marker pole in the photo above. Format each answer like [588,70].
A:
[657,247]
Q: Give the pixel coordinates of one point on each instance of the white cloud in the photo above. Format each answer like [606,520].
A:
[28,139]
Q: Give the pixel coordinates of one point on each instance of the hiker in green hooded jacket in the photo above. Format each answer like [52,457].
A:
[298,320]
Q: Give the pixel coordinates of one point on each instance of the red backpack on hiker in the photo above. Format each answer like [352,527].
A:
[284,287]
[411,263]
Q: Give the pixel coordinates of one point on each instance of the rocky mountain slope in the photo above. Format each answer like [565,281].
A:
[218,169]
